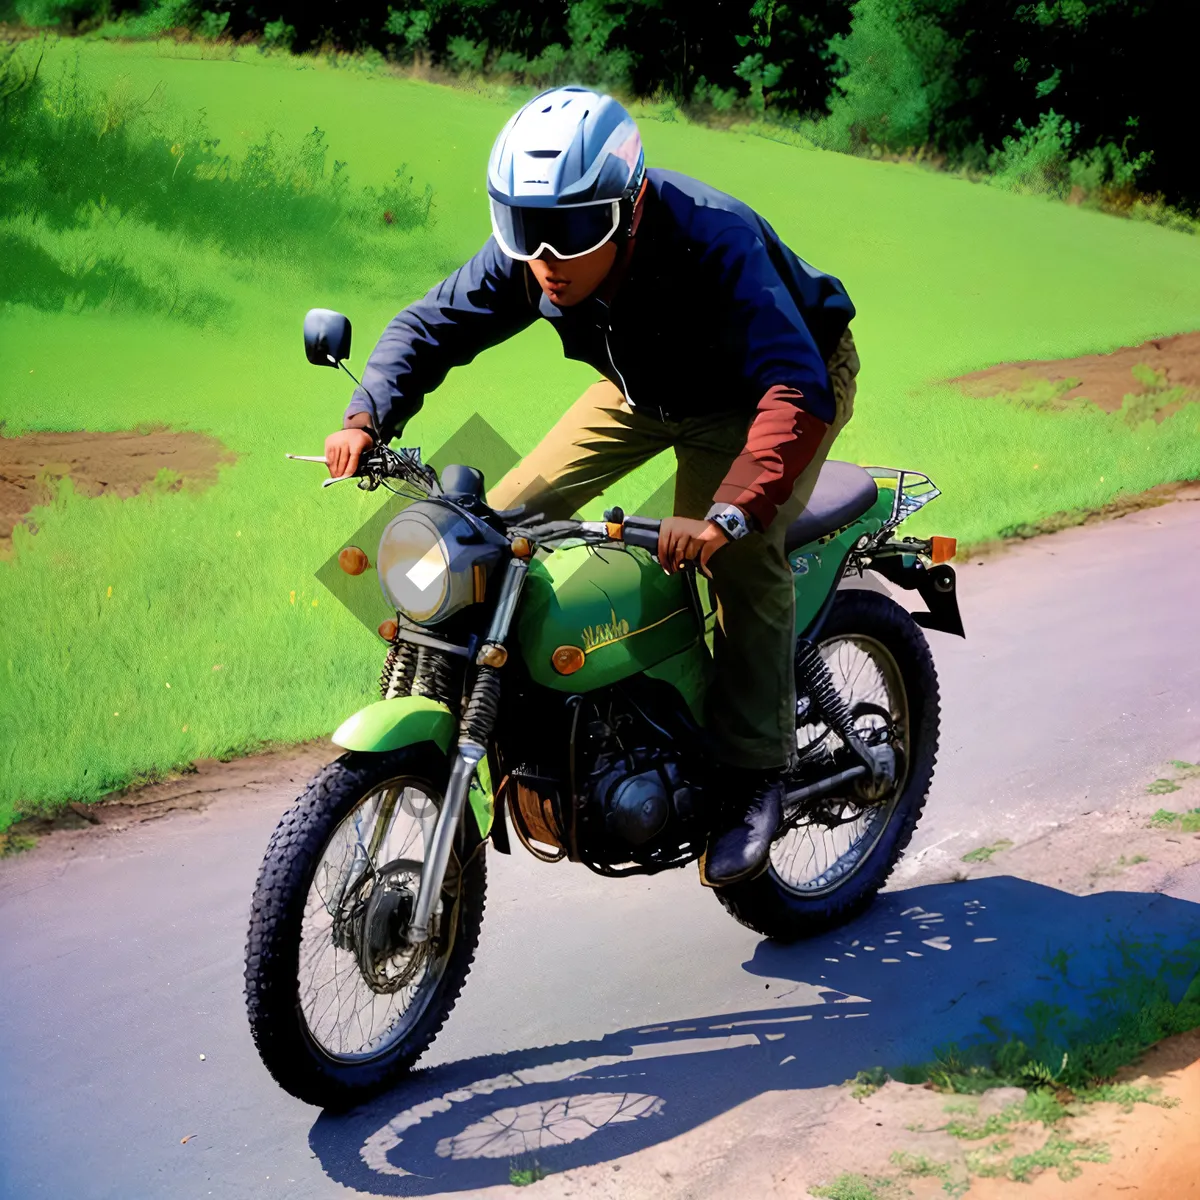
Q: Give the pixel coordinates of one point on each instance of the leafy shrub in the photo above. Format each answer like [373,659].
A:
[709,95]
[885,92]
[212,24]
[412,27]
[466,55]
[279,34]
[953,81]
[1036,159]
[163,17]
[549,67]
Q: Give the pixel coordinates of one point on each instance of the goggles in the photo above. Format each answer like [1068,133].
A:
[567,232]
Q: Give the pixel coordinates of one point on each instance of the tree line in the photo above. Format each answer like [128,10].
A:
[1058,93]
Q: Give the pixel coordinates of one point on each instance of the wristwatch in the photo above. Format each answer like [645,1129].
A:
[730,520]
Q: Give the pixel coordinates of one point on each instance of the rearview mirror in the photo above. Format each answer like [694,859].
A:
[326,337]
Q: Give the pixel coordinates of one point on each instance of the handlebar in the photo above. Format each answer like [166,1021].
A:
[642,532]
[636,531]
[642,536]
[381,463]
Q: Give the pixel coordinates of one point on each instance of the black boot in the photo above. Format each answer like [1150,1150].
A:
[740,842]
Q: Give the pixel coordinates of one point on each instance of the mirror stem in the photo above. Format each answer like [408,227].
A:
[374,411]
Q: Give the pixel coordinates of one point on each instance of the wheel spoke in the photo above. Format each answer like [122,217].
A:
[348,1014]
[863,672]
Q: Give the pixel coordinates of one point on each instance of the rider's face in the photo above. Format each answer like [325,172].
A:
[570,280]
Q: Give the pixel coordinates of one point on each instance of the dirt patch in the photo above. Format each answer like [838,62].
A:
[122,463]
[1153,1151]
[1147,842]
[1166,370]
[189,790]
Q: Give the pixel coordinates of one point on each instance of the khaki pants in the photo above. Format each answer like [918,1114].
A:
[752,707]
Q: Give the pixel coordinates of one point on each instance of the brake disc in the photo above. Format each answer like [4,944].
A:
[379,927]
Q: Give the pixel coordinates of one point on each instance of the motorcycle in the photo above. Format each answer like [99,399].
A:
[544,682]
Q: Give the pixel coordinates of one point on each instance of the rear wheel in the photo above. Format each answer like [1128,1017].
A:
[339,1003]
[834,854]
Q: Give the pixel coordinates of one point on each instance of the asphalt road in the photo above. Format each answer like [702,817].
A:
[122,1030]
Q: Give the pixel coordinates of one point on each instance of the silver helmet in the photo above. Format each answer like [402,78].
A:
[563,174]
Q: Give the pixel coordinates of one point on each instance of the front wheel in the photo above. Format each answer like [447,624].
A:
[340,1005]
[832,857]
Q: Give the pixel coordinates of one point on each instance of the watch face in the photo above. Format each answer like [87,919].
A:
[732,525]
[732,522]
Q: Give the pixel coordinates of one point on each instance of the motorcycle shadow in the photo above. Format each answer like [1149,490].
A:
[924,967]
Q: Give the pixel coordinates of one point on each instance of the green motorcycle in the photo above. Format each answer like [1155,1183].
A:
[544,682]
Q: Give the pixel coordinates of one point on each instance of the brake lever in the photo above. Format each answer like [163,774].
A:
[315,458]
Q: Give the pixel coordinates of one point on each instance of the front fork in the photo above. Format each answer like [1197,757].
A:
[475,729]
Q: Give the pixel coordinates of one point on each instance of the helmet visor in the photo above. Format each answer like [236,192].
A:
[568,232]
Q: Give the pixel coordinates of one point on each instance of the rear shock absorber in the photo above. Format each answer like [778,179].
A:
[813,675]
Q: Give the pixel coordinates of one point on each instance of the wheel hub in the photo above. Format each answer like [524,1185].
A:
[379,931]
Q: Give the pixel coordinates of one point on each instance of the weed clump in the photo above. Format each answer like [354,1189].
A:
[848,1186]
[982,854]
[1126,1020]
[109,198]
[867,1083]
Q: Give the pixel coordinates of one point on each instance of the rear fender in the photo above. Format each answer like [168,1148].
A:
[937,586]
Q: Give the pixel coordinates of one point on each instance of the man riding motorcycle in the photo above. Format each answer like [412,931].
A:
[713,339]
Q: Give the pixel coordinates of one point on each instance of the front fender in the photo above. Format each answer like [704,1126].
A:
[401,721]
[405,721]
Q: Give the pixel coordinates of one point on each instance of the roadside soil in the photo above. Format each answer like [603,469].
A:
[120,463]
[1154,1151]
[78,826]
[1104,379]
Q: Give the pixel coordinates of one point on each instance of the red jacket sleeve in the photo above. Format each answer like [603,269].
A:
[783,439]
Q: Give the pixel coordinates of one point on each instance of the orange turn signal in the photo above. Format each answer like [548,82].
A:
[492,655]
[942,549]
[566,660]
[521,547]
[388,630]
[353,561]
[479,581]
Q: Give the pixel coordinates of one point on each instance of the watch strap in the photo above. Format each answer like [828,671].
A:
[730,520]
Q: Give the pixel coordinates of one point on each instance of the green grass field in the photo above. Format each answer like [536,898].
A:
[948,277]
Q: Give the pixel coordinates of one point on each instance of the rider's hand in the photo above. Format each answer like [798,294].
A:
[342,450]
[681,538]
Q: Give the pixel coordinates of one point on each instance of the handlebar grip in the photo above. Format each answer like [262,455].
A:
[644,536]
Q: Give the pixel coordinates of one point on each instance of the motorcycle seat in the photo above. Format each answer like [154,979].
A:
[843,493]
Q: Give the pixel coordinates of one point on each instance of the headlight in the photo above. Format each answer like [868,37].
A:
[414,566]
[434,561]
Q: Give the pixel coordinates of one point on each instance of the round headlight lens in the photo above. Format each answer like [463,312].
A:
[413,566]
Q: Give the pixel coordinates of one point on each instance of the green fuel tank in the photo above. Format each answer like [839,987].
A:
[613,606]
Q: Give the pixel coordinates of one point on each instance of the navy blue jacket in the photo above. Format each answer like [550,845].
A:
[714,312]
